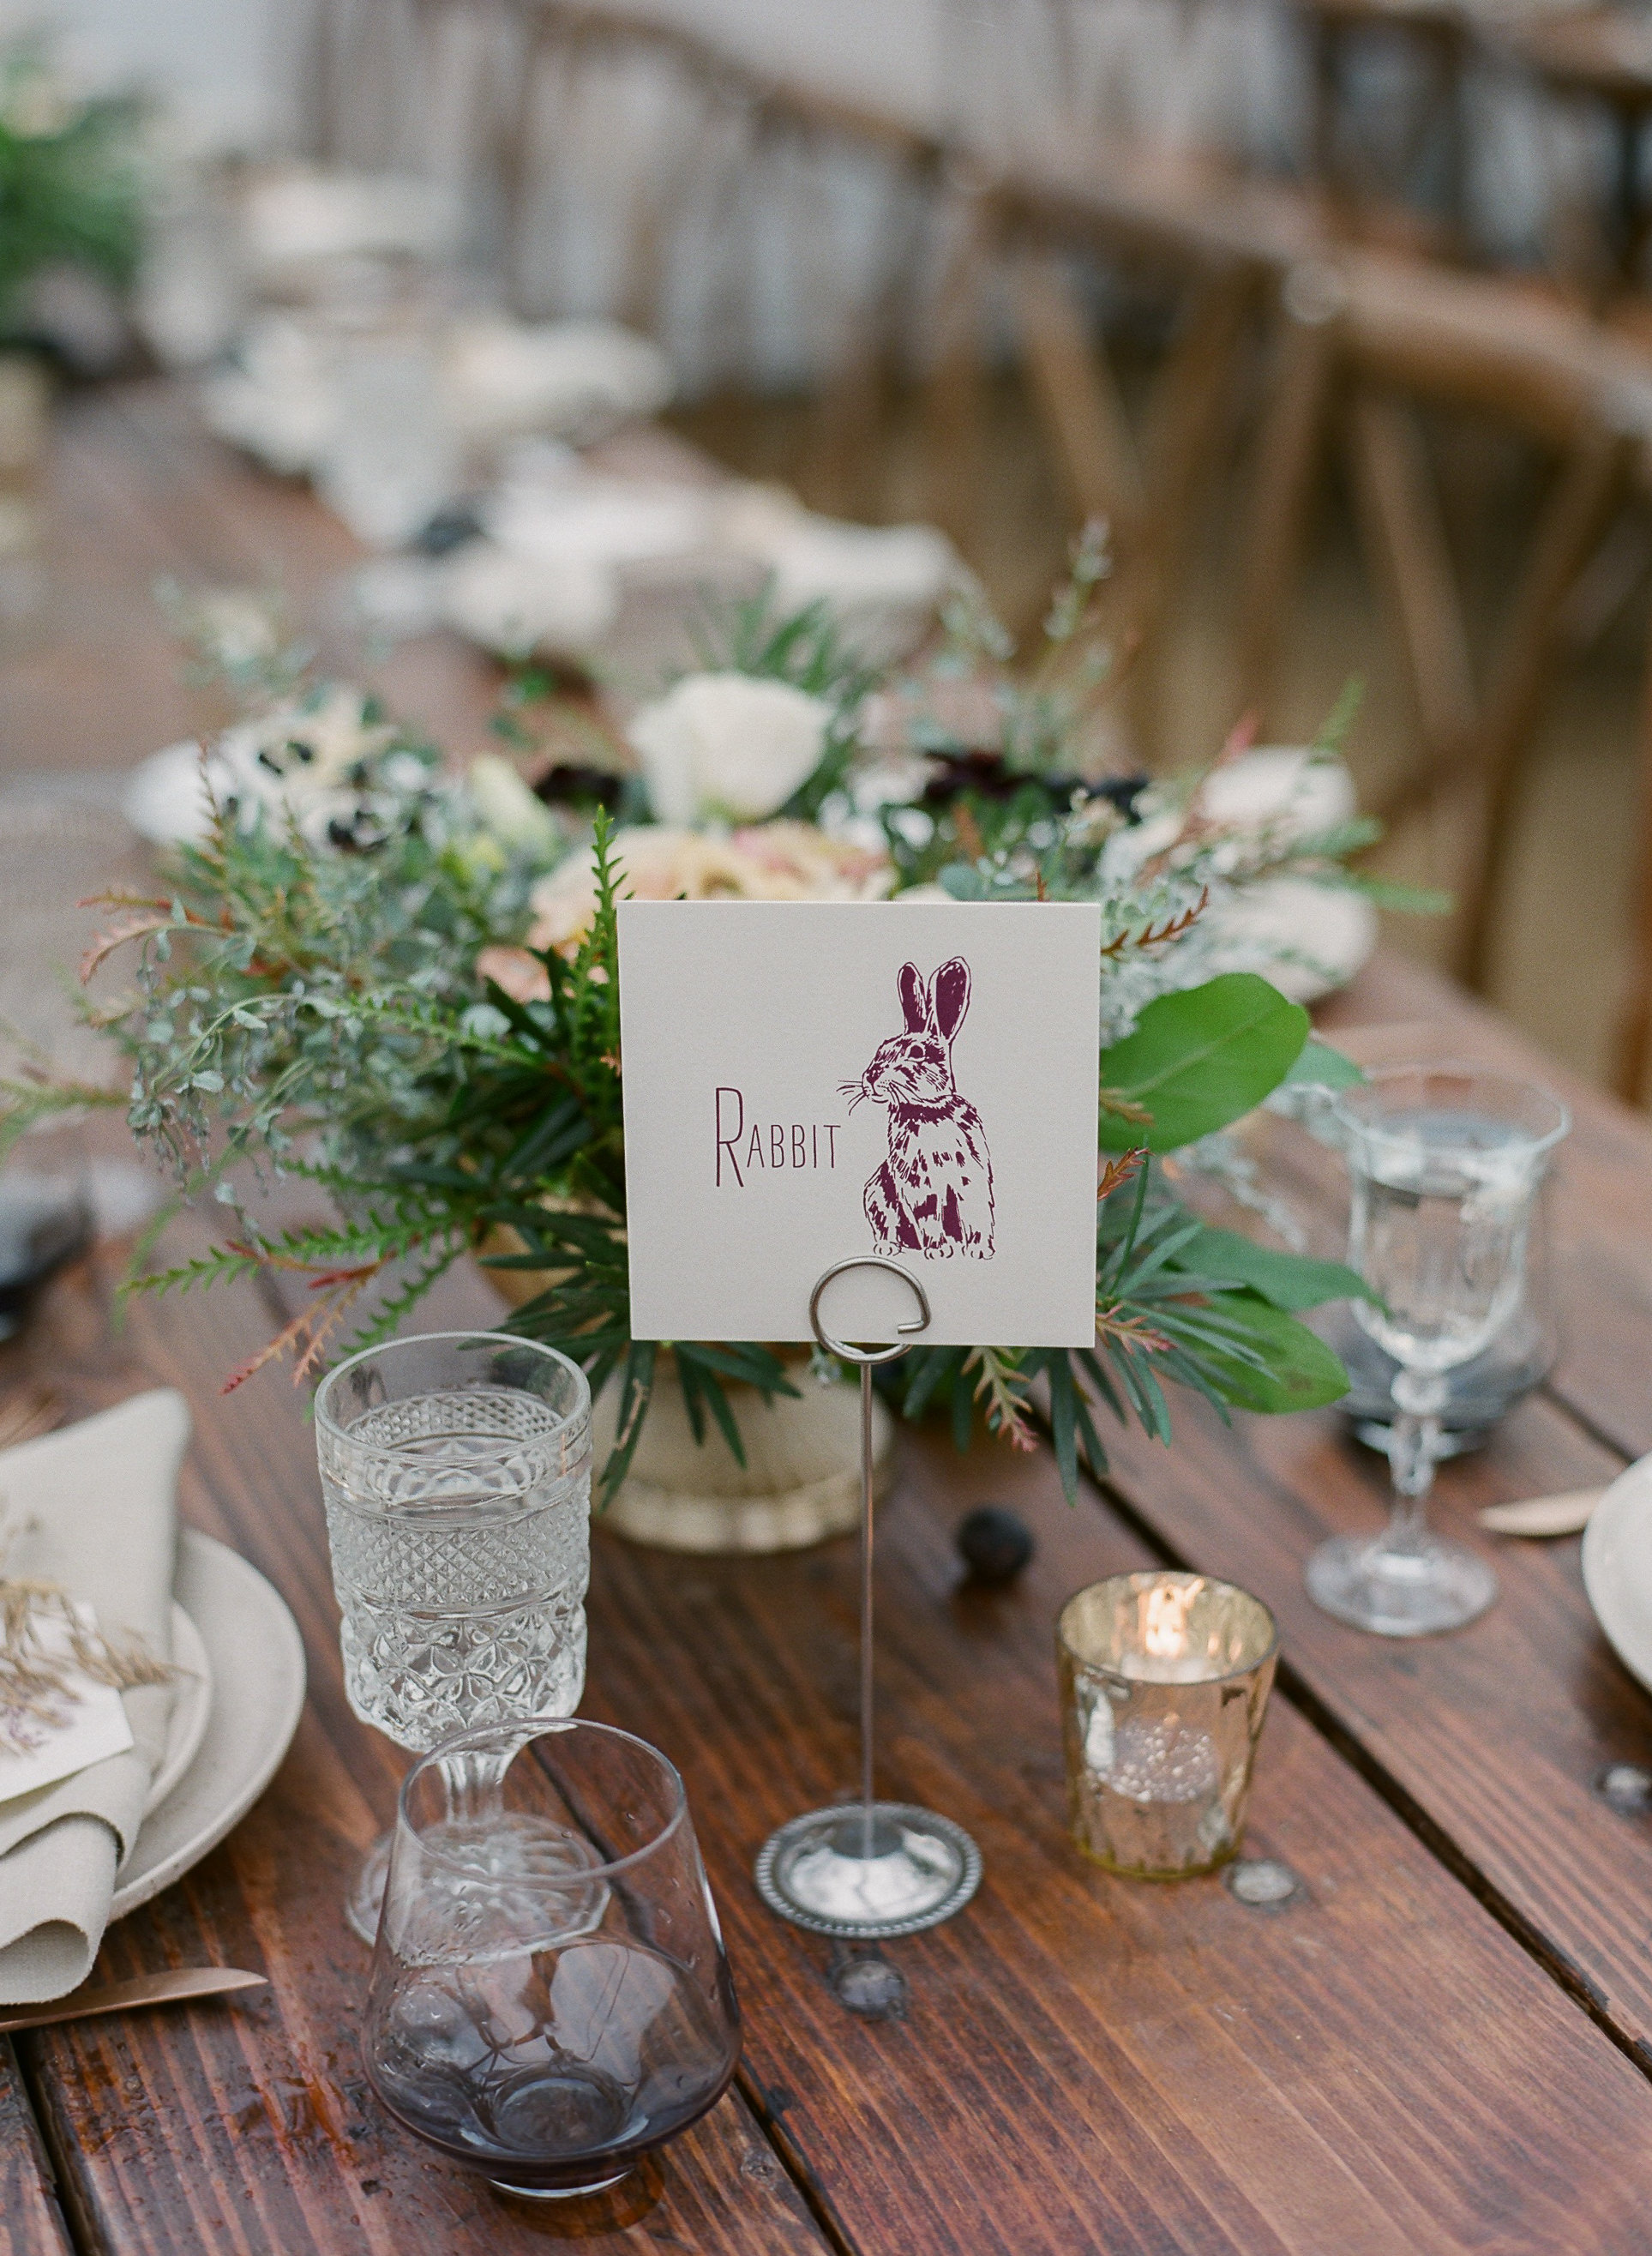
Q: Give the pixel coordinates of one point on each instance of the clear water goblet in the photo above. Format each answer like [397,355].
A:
[548,2027]
[456,1472]
[1444,1165]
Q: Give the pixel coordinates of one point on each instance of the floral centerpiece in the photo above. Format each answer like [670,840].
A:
[402,986]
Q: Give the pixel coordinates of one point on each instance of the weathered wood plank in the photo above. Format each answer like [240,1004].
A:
[31,2222]
[251,2128]
[1088,2062]
[1063,1993]
[137,490]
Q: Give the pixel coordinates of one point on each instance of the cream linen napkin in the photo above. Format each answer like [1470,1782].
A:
[97,1506]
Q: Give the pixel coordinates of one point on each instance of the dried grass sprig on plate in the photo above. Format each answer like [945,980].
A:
[35,1669]
[34,1675]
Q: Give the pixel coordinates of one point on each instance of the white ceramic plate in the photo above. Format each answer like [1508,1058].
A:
[192,1704]
[255,1659]
[1617,1567]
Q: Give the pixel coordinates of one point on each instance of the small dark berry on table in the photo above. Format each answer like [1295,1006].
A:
[993,1544]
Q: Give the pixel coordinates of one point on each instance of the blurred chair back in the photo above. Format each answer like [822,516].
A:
[1371,347]
[1070,78]
[768,230]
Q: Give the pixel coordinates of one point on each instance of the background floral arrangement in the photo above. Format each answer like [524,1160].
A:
[403,987]
[70,194]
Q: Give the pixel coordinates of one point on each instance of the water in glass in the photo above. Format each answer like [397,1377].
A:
[1441,1206]
[460,1557]
[552,2067]
[456,1470]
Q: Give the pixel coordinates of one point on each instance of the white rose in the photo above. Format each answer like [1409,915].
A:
[1282,789]
[1279,795]
[726,745]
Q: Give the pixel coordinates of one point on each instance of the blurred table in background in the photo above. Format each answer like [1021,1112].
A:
[136,493]
[94,678]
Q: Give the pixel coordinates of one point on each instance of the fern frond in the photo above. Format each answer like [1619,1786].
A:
[1001,1389]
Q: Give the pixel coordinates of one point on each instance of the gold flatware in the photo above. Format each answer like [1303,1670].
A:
[169,1988]
[1543,1515]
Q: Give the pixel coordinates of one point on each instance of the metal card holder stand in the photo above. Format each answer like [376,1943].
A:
[868,1871]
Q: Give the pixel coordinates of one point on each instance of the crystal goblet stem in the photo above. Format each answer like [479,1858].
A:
[475,1781]
[1408,1581]
[1414,1450]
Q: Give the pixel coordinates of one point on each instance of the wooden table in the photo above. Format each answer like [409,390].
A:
[1443,2043]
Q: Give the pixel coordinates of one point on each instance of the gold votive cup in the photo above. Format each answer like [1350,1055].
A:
[1164,1682]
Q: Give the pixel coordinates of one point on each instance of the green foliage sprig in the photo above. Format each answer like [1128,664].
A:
[1178,1302]
[446,1113]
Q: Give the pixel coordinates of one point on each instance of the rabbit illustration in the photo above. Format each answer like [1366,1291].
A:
[933,1195]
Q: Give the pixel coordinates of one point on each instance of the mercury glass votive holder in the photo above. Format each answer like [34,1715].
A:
[1164,1682]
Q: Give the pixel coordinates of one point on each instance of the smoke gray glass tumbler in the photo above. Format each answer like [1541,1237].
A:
[546,2025]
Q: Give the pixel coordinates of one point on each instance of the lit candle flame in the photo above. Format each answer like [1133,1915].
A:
[1165,1620]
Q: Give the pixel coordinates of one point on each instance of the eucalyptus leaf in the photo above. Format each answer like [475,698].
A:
[964,882]
[1302,1373]
[1197,1059]
[1319,1066]
[1286,1280]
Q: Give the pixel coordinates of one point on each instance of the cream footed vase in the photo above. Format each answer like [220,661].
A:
[800,1483]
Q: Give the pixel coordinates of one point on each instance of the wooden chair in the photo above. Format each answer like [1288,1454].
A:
[1207,247]
[1594,66]
[1402,174]
[1364,344]
[1369,344]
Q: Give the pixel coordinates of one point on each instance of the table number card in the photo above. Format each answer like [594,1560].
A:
[807,1080]
[82,1723]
